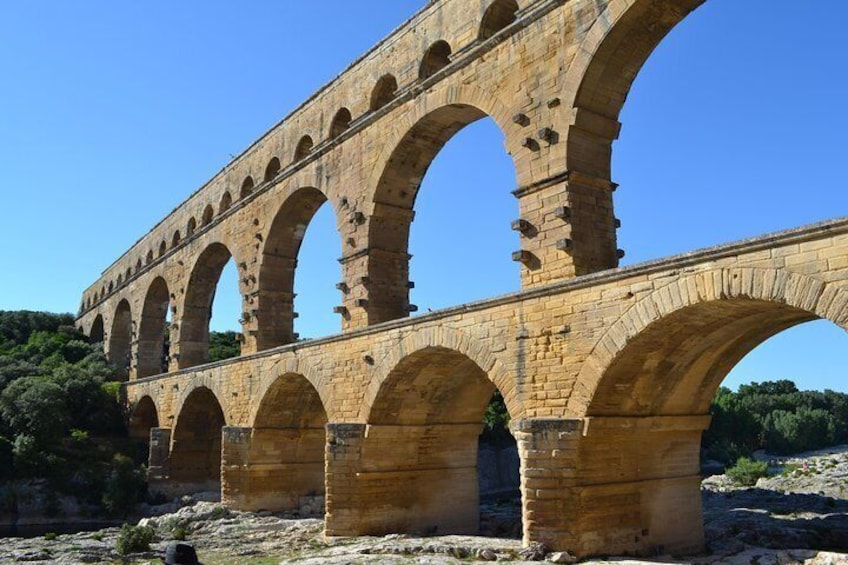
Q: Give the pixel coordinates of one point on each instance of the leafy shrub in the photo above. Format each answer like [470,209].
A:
[179,534]
[747,471]
[134,539]
[124,487]
[50,536]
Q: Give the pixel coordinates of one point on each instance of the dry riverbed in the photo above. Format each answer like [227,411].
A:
[799,516]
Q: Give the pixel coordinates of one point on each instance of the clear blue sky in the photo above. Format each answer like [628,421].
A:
[111,113]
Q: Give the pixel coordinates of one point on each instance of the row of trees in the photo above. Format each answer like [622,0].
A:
[775,416]
[61,419]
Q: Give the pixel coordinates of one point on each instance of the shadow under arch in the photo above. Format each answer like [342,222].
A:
[152,354]
[120,339]
[143,417]
[96,333]
[411,148]
[195,459]
[278,267]
[197,305]
[285,457]
[421,446]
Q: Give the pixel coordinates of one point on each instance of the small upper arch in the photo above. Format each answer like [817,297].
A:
[384,91]
[340,123]
[208,215]
[246,187]
[163,247]
[272,170]
[192,225]
[175,240]
[499,15]
[436,58]
[304,147]
[226,202]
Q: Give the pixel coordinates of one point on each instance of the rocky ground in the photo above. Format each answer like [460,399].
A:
[799,515]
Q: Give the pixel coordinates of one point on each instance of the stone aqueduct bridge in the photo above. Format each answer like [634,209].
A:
[607,373]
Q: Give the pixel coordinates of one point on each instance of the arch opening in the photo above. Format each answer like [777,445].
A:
[498,16]
[96,334]
[384,92]
[197,312]
[436,58]
[304,147]
[226,202]
[424,431]
[304,212]
[340,123]
[154,329]
[175,240]
[443,241]
[163,248]
[143,418]
[208,215]
[246,188]
[291,418]
[272,170]
[192,225]
[196,444]
[120,340]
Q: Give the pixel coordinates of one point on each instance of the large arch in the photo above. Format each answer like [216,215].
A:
[422,432]
[197,306]
[195,462]
[417,141]
[143,417]
[96,333]
[286,454]
[278,265]
[695,330]
[152,354]
[120,339]
[606,64]
[644,393]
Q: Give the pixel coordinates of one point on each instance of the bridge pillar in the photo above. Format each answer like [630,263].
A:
[159,459]
[612,485]
[408,479]
[271,469]
[344,460]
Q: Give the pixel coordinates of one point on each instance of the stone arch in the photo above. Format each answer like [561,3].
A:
[208,215]
[341,122]
[607,62]
[679,342]
[191,226]
[152,338]
[272,170]
[197,306]
[226,202]
[96,333]
[290,417]
[195,461]
[278,264]
[384,92]
[149,257]
[120,279]
[444,339]
[120,339]
[246,187]
[436,58]
[423,428]
[499,15]
[143,417]
[410,149]
[175,240]
[304,147]
[163,248]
